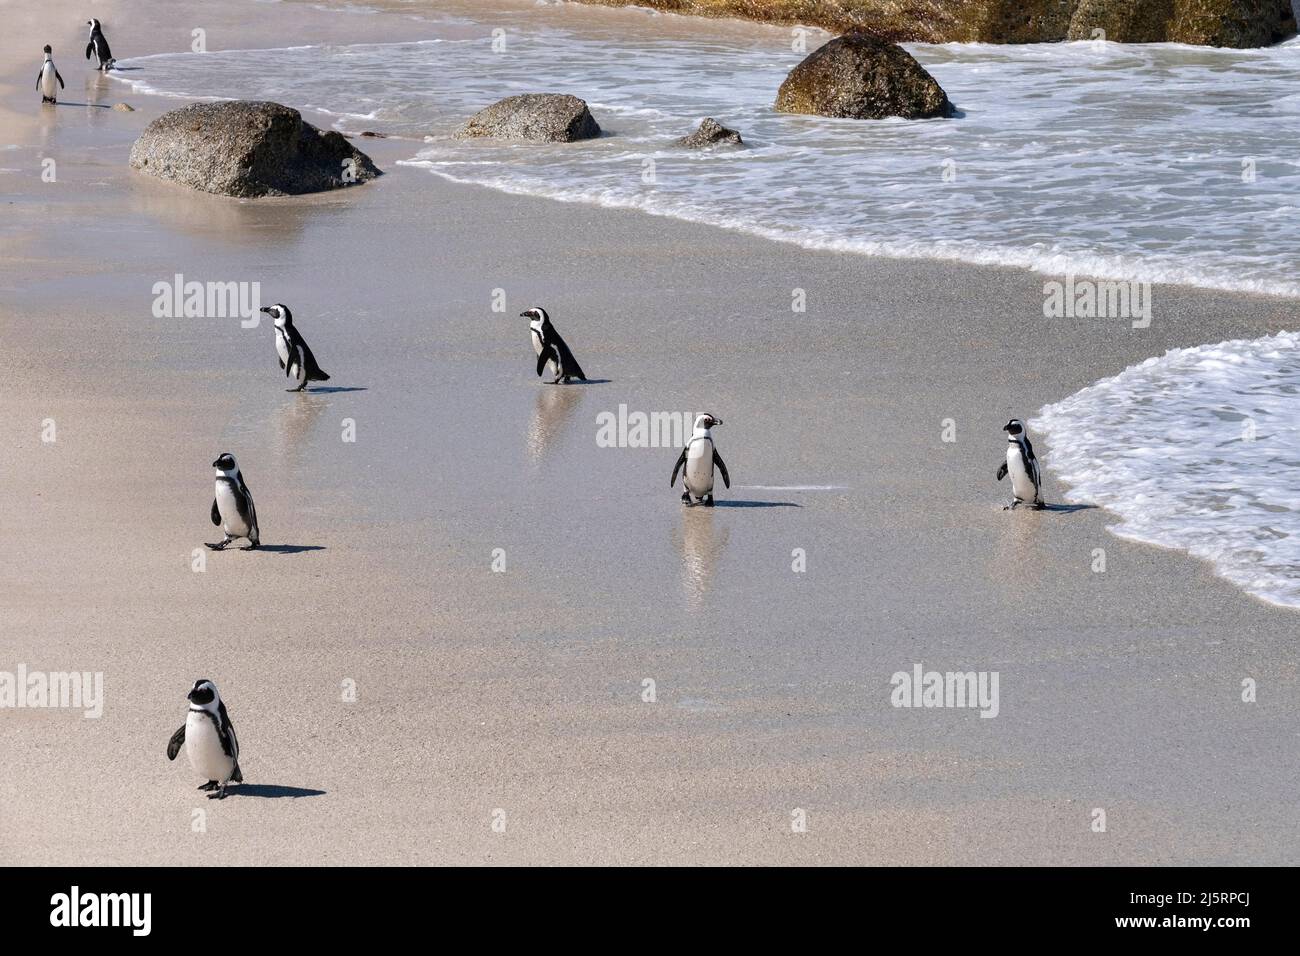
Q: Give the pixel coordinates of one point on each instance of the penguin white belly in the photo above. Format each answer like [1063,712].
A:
[229,508]
[282,347]
[48,82]
[537,350]
[1022,486]
[203,747]
[699,468]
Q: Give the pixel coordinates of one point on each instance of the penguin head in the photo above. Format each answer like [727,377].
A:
[1014,427]
[48,50]
[204,694]
[92,23]
[535,315]
[280,313]
[226,463]
[706,421]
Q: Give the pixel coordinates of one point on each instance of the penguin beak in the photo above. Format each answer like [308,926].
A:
[190,695]
[525,315]
[266,309]
[216,463]
[717,421]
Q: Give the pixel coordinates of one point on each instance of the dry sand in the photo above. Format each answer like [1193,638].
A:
[521,691]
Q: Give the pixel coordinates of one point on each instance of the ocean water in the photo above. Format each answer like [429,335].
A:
[1138,162]
[1145,163]
[1198,449]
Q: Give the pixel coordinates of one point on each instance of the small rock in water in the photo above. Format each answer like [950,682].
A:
[372,135]
[124,107]
[710,133]
[535,117]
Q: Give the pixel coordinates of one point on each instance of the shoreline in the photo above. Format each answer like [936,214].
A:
[522,691]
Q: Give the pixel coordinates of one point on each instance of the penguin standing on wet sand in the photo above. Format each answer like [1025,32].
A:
[232,506]
[291,348]
[46,78]
[551,348]
[696,462]
[1022,466]
[209,740]
[99,46]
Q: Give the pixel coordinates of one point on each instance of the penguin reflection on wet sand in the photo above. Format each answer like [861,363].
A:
[696,462]
[1022,466]
[291,349]
[552,349]
[232,506]
[209,740]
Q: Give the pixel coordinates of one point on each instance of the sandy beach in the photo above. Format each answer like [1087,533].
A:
[517,696]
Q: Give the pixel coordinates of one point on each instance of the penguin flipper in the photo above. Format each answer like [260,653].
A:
[176,743]
[216,513]
[722,467]
[90,48]
[59,78]
[237,776]
[547,354]
[681,460]
[1002,471]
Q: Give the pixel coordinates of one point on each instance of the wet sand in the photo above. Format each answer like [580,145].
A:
[518,695]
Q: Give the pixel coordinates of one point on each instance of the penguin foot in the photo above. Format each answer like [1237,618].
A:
[210,785]
[1039,506]
[708,501]
[686,498]
[252,546]
[219,795]
[220,545]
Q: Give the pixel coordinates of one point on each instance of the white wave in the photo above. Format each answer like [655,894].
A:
[1151,163]
[1197,450]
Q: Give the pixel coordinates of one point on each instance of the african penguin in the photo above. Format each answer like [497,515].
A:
[99,46]
[46,78]
[699,458]
[209,740]
[551,348]
[232,507]
[291,348]
[1022,466]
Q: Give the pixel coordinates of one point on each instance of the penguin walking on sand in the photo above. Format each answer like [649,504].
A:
[99,46]
[291,348]
[697,461]
[551,348]
[1022,466]
[209,740]
[45,79]
[232,506]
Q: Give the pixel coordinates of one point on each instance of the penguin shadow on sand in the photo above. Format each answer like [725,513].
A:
[290,548]
[271,791]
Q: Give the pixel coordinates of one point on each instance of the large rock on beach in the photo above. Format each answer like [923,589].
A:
[862,77]
[710,133]
[533,117]
[248,149]
[1233,23]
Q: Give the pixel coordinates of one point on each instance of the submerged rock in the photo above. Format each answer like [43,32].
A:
[248,149]
[710,133]
[535,117]
[862,77]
